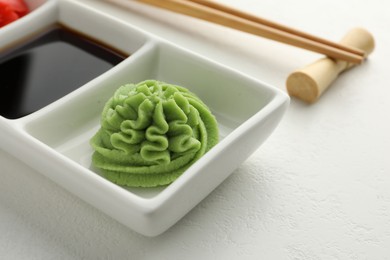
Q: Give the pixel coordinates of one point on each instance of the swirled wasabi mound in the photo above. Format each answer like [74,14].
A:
[151,133]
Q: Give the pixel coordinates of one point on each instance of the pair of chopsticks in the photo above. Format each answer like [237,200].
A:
[229,17]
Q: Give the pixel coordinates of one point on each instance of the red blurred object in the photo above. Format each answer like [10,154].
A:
[11,10]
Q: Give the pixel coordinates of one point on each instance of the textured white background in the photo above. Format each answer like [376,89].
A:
[319,188]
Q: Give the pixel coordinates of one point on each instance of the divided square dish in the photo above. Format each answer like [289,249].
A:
[55,139]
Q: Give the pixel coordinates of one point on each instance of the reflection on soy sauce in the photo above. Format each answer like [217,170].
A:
[48,67]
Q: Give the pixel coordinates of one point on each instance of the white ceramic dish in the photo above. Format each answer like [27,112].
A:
[55,139]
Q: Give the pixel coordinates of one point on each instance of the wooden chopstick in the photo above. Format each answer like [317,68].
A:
[222,16]
[256,19]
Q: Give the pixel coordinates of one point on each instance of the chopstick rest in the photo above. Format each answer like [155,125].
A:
[310,82]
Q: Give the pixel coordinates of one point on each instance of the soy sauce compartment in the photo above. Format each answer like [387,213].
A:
[47,67]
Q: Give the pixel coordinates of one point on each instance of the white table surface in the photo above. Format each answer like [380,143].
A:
[318,188]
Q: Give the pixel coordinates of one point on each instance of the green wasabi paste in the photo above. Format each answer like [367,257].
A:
[151,133]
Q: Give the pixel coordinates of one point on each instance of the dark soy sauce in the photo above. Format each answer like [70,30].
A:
[47,67]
